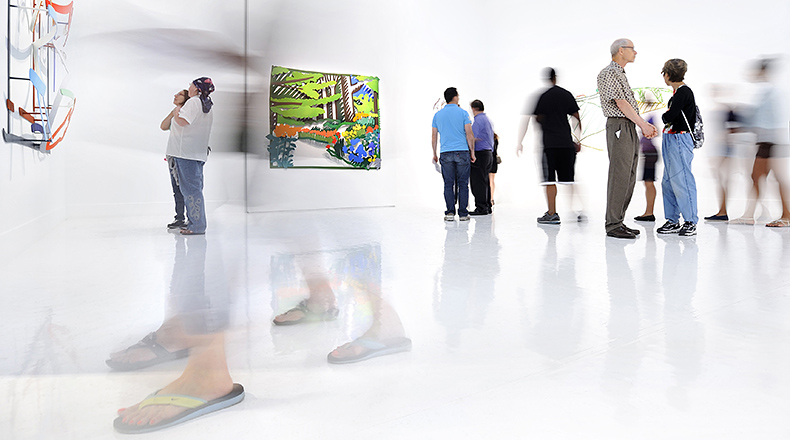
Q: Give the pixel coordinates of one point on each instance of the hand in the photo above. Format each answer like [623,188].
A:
[649,130]
[473,157]
[519,149]
[435,158]
[578,146]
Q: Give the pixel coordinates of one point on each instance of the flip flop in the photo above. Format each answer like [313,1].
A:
[372,348]
[309,316]
[779,223]
[196,408]
[148,342]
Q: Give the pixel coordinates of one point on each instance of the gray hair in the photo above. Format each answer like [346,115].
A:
[621,42]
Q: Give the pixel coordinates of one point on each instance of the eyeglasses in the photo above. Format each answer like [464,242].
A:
[628,47]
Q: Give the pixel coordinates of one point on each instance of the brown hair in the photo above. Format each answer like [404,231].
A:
[675,69]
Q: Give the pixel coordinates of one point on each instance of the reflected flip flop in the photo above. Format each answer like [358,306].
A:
[309,316]
[196,407]
[372,348]
[148,343]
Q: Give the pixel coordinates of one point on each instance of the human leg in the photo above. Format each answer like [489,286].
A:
[679,186]
[177,195]
[622,145]
[464,162]
[190,180]
[449,172]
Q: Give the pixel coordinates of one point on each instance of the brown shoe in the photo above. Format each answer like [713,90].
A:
[620,232]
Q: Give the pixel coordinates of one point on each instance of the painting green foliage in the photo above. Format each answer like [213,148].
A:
[337,113]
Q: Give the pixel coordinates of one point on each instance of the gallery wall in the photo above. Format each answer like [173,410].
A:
[127,59]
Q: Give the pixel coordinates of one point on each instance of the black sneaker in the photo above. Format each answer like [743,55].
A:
[549,219]
[177,224]
[688,229]
[669,228]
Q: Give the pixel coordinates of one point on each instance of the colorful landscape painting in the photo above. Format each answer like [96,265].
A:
[323,120]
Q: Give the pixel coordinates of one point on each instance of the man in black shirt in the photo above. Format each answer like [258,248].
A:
[559,149]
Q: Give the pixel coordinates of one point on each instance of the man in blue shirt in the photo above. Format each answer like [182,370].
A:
[484,155]
[452,123]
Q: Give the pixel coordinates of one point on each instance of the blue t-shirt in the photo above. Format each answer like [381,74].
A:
[451,121]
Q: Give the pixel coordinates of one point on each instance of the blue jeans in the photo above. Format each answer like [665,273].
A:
[455,171]
[190,181]
[678,185]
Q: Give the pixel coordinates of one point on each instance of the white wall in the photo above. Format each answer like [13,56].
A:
[124,70]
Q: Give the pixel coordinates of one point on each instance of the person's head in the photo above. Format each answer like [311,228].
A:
[202,87]
[762,69]
[181,97]
[550,75]
[451,94]
[477,105]
[623,51]
[674,71]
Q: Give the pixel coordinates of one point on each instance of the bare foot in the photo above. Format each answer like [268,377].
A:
[142,352]
[203,388]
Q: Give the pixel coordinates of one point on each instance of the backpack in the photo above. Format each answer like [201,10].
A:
[697,133]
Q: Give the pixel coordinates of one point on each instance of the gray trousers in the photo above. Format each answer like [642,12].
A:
[622,142]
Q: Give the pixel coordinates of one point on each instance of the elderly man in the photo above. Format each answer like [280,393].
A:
[622,140]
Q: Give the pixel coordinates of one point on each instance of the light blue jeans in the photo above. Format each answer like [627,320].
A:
[678,185]
[190,181]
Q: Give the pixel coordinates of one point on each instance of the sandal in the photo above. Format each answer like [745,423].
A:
[371,348]
[779,223]
[742,221]
[309,315]
[149,342]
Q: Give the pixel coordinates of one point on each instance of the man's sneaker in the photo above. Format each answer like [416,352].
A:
[549,219]
[669,228]
[449,217]
[463,218]
[688,229]
[177,224]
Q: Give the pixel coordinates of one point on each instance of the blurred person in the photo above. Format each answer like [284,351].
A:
[678,186]
[767,123]
[188,145]
[622,112]
[180,220]
[559,150]
[452,123]
[200,299]
[494,167]
[360,268]
[649,161]
[484,154]
[732,124]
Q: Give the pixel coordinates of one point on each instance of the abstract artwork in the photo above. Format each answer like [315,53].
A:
[593,122]
[323,120]
[39,109]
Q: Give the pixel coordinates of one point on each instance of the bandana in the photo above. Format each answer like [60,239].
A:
[205,86]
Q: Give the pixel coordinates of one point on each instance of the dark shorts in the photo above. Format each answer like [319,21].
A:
[764,150]
[558,165]
[649,167]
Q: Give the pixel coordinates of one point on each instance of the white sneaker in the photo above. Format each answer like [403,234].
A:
[449,217]
[464,218]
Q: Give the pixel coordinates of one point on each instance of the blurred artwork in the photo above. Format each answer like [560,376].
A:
[323,120]
[39,108]
[593,122]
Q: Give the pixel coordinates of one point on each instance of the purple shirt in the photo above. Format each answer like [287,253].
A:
[484,133]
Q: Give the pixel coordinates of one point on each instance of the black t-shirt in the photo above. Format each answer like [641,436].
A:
[552,111]
[683,99]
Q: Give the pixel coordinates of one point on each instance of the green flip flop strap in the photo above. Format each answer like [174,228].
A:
[173,399]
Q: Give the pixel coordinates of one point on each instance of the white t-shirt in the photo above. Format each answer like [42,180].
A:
[191,141]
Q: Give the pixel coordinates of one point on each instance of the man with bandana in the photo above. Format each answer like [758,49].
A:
[188,145]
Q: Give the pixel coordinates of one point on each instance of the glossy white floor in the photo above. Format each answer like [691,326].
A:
[519,331]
